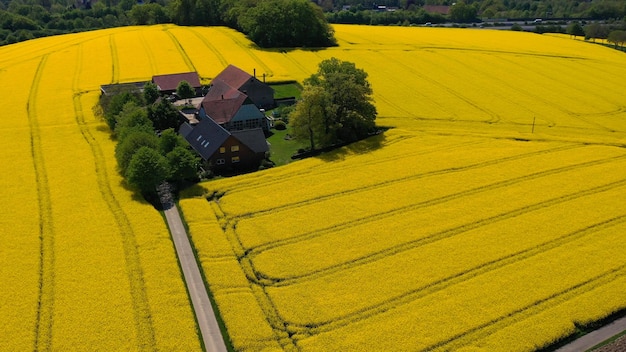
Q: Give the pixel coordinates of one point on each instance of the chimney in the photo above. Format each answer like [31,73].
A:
[254,72]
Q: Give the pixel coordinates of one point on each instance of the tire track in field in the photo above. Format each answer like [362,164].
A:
[326,169]
[403,247]
[408,88]
[143,319]
[181,50]
[551,103]
[45,299]
[246,48]
[396,302]
[115,60]
[276,322]
[502,82]
[363,189]
[146,48]
[494,116]
[296,63]
[209,46]
[530,310]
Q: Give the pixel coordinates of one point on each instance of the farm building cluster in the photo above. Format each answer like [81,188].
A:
[225,123]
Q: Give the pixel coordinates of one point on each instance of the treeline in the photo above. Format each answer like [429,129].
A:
[503,9]
[269,23]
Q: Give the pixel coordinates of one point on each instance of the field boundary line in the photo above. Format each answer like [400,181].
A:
[143,319]
[45,300]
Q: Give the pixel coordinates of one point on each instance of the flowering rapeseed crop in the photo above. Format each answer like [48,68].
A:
[488,217]
[461,228]
[86,266]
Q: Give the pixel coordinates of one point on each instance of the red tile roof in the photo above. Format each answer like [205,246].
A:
[222,104]
[233,76]
[170,82]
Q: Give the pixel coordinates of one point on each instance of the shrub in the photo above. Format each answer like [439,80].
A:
[280,125]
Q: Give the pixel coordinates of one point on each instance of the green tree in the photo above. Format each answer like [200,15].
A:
[185,90]
[354,113]
[594,31]
[164,115]
[113,104]
[575,29]
[287,23]
[463,13]
[617,37]
[132,118]
[183,164]
[126,148]
[170,140]
[146,170]
[336,105]
[150,93]
[313,118]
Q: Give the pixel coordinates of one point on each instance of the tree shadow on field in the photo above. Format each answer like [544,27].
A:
[363,146]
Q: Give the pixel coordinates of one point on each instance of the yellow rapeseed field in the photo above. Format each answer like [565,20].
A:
[488,218]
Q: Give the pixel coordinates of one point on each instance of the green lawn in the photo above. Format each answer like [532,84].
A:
[281,149]
[286,90]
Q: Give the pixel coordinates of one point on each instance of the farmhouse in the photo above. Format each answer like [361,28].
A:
[231,109]
[238,150]
[167,84]
[259,93]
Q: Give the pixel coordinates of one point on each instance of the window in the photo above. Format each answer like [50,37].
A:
[235,159]
[222,150]
[220,162]
[234,148]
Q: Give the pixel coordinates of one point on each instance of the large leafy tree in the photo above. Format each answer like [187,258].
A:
[147,169]
[287,23]
[337,104]
[164,115]
[183,164]
[313,118]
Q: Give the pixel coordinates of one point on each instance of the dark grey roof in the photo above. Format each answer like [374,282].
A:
[206,137]
[253,139]
[185,129]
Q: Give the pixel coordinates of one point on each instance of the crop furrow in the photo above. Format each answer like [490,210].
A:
[143,319]
[45,300]
[277,323]
[246,48]
[494,116]
[210,46]
[549,102]
[388,182]
[439,285]
[296,63]
[115,60]
[181,50]
[529,310]
[151,58]
[251,252]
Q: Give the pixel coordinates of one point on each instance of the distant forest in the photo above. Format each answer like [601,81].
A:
[27,19]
